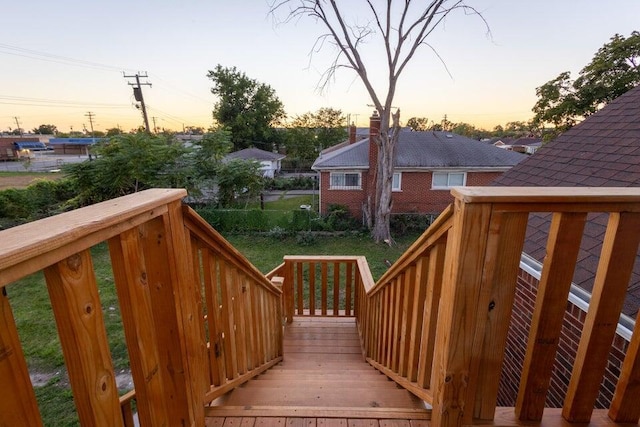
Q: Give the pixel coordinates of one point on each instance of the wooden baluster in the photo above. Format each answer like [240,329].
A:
[624,406]
[407,315]
[618,255]
[396,326]
[134,296]
[76,306]
[562,252]
[249,324]
[347,292]
[288,291]
[300,284]
[502,262]
[384,326]
[433,273]
[336,288]
[415,332]
[324,285]
[228,315]
[312,289]
[238,309]
[216,352]
[18,405]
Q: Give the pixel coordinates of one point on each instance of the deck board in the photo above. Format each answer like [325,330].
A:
[323,380]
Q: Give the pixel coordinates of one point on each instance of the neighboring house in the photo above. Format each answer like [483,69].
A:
[427,165]
[15,147]
[78,146]
[527,144]
[270,163]
[601,151]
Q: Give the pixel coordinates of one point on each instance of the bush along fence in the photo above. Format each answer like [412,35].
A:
[277,221]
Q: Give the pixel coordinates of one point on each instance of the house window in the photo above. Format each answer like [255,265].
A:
[345,181]
[397,181]
[444,180]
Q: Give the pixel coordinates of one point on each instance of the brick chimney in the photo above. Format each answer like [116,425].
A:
[352,133]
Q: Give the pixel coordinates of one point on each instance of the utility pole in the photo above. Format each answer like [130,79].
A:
[155,129]
[137,94]
[18,125]
[91,115]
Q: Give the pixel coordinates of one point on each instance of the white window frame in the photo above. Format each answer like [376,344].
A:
[448,173]
[399,187]
[345,187]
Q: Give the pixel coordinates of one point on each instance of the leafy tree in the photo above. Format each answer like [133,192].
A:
[311,132]
[113,132]
[246,108]
[418,123]
[46,130]
[402,27]
[238,181]
[209,152]
[614,69]
[129,163]
[194,130]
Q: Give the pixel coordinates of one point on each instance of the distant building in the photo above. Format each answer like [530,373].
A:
[270,163]
[73,145]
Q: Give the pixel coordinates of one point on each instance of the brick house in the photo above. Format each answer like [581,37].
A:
[427,165]
[602,151]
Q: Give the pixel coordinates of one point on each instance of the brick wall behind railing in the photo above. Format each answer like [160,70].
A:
[570,337]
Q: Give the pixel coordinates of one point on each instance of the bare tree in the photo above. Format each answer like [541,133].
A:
[403,27]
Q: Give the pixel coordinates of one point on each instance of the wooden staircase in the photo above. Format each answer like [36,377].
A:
[323,375]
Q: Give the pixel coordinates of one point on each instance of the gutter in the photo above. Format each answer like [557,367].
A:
[578,296]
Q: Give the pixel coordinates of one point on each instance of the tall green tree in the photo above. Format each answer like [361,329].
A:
[247,108]
[614,69]
[129,163]
[46,130]
[418,123]
[400,29]
[314,131]
[239,182]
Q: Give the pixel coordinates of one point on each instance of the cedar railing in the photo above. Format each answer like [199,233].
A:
[158,251]
[437,321]
[318,285]
[243,310]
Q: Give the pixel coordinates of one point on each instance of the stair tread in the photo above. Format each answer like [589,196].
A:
[334,397]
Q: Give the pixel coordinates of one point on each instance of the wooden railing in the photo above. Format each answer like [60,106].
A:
[243,310]
[436,321]
[171,271]
[318,285]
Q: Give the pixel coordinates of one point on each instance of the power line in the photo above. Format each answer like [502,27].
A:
[44,56]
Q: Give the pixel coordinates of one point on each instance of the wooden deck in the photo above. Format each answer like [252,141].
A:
[322,381]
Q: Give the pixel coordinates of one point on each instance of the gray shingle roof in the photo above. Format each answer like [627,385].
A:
[602,151]
[425,150]
[254,154]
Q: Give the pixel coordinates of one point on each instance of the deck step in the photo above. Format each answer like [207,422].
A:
[322,374]
[301,395]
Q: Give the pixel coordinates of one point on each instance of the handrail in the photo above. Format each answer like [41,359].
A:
[171,271]
[243,309]
[436,322]
[158,325]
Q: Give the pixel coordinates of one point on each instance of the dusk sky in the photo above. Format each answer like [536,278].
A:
[60,60]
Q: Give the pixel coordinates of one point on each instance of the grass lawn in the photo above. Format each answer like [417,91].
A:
[266,252]
[285,203]
[23,179]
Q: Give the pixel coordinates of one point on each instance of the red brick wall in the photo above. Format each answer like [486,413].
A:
[416,194]
[570,336]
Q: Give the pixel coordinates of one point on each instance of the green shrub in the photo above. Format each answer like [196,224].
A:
[339,218]
[402,224]
[306,238]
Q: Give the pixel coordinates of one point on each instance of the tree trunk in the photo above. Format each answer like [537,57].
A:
[384,179]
